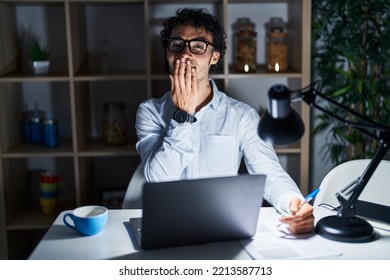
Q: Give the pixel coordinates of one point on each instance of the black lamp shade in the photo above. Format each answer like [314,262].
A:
[281,131]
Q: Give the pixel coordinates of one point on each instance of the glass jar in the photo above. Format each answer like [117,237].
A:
[277,49]
[36,130]
[246,45]
[114,124]
[50,133]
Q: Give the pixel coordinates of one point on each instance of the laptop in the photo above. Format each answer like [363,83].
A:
[189,212]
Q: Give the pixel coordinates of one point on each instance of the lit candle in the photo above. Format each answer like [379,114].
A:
[246,68]
[276,67]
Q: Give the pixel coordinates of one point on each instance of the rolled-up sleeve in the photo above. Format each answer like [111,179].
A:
[260,158]
[165,146]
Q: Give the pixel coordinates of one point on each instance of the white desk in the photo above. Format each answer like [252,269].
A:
[114,242]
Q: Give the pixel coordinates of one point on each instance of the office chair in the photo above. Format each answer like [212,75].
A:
[133,196]
[376,191]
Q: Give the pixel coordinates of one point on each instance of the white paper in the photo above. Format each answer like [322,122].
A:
[276,242]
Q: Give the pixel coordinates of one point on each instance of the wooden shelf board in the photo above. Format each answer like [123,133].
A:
[261,71]
[20,77]
[96,148]
[65,149]
[32,218]
[110,76]
[291,149]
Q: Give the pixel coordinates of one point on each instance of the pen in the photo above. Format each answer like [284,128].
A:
[310,197]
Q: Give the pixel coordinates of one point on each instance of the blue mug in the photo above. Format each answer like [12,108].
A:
[88,220]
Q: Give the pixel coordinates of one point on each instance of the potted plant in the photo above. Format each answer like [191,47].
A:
[351,58]
[39,54]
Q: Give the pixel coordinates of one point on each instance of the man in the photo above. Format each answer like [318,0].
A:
[196,131]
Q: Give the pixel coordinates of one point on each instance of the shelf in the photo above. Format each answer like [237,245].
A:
[292,149]
[17,77]
[97,148]
[91,77]
[65,149]
[33,219]
[262,72]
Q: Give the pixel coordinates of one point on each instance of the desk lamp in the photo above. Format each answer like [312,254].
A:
[281,125]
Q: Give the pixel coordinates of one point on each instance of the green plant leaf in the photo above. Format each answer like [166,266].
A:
[38,51]
[350,55]
[341,91]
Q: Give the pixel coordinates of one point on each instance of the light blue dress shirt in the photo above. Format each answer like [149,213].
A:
[213,146]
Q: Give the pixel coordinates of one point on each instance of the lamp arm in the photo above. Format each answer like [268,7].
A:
[350,194]
[347,204]
[310,96]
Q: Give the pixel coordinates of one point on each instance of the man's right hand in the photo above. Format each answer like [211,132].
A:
[184,86]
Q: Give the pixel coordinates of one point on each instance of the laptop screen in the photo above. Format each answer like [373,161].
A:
[188,212]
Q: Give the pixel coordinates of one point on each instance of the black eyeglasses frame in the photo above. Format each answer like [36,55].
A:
[168,41]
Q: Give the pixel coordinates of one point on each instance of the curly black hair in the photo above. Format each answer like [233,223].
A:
[199,18]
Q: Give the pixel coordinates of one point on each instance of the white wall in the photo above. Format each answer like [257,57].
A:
[319,166]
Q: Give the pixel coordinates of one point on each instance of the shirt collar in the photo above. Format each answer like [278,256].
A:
[216,96]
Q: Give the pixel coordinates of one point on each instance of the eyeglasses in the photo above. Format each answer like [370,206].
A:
[196,46]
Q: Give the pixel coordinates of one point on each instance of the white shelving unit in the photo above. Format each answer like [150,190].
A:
[76,88]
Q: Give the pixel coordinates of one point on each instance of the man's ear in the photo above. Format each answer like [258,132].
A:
[215,58]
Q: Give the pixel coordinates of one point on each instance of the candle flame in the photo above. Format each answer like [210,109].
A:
[246,68]
[276,67]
